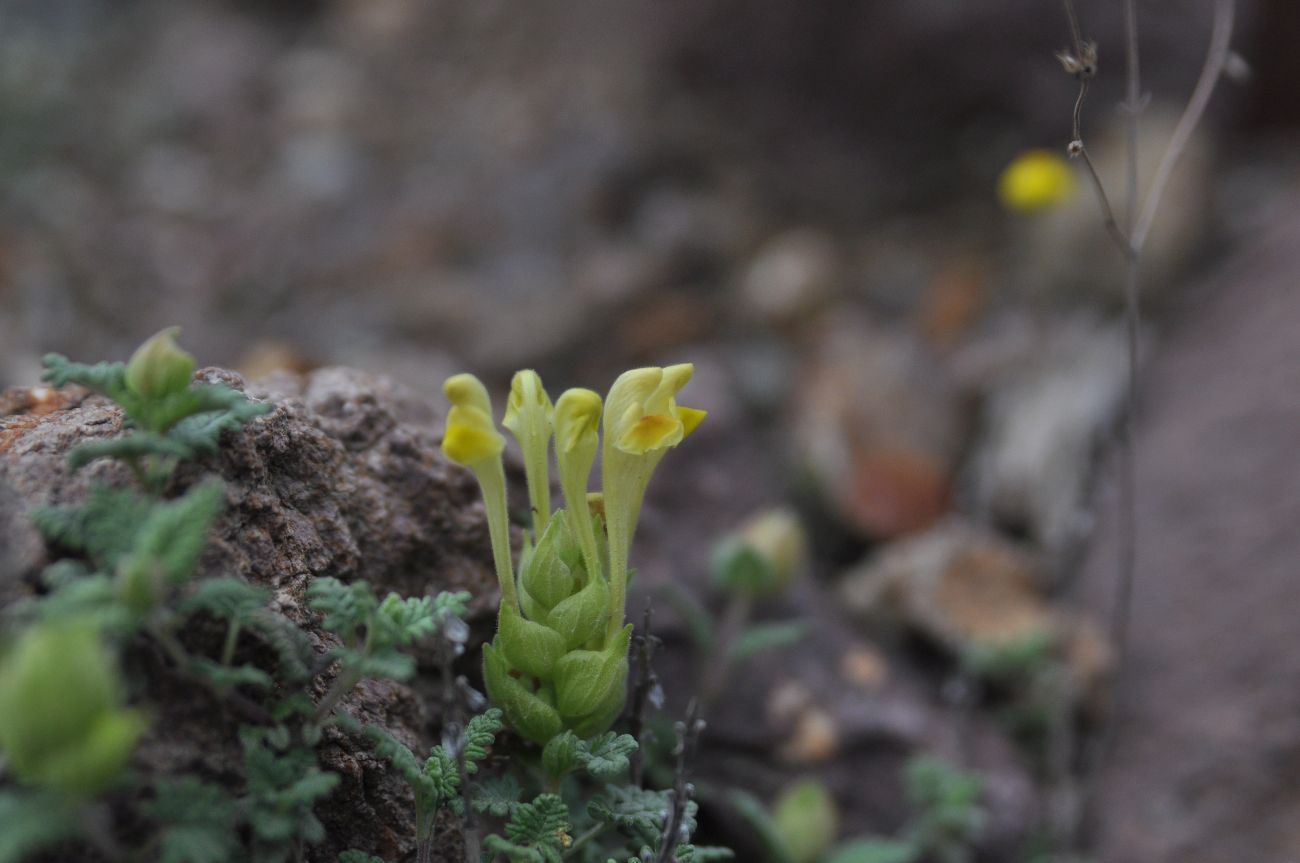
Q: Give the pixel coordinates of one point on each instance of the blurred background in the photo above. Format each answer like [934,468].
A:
[802,199]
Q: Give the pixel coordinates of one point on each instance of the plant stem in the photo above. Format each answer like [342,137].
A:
[232,639]
[583,840]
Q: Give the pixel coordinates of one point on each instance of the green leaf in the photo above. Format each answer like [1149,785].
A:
[220,410]
[106,378]
[560,754]
[227,598]
[546,577]
[233,675]
[347,607]
[703,854]
[31,821]
[401,758]
[606,757]
[497,797]
[480,734]
[538,831]
[638,813]
[400,621]
[444,774]
[104,526]
[198,822]
[354,856]
[292,646]
[176,533]
[581,616]
[768,636]
[874,851]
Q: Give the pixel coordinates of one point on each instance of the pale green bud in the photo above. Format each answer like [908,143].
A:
[584,679]
[582,616]
[531,647]
[806,819]
[545,576]
[764,556]
[531,715]
[61,724]
[159,367]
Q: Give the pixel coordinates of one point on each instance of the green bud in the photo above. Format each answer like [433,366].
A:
[806,819]
[582,616]
[141,581]
[778,537]
[530,647]
[584,679]
[739,568]
[600,719]
[531,716]
[159,367]
[60,721]
[560,755]
[545,576]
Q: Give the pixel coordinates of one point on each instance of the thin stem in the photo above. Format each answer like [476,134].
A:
[1215,58]
[492,481]
[232,639]
[646,681]
[539,485]
[734,619]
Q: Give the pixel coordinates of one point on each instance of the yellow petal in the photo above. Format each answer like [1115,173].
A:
[577,419]
[465,390]
[470,437]
[691,419]
[528,404]
[651,432]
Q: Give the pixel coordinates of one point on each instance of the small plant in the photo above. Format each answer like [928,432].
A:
[560,658]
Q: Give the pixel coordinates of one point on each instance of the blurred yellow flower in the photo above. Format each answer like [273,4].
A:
[1036,180]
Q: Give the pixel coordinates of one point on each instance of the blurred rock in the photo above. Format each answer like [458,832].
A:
[1048,406]
[960,587]
[792,276]
[878,426]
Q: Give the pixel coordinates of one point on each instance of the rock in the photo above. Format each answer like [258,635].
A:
[877,425]
[969,591]
[1047,407]
[343,479]
[791,277]
[959,587]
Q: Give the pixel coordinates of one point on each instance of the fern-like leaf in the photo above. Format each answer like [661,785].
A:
[198,822]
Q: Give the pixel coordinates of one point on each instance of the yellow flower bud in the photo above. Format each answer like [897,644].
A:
[1036,180]
[577,422]
[529,416]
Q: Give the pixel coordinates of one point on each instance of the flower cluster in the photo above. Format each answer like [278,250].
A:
[559,659]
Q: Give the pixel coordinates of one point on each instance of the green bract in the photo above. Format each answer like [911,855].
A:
[559,660]
[61,721]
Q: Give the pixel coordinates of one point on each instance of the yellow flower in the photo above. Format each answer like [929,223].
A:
[470,437]
[530,416]
[1036,180]
[472,440]
[642,421]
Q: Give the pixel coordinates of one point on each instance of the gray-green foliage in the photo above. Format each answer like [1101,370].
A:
[373,631]
[537,832]
[198,822]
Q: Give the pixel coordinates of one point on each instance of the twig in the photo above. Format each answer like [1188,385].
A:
[688,738]
[645,683]
[1215,59]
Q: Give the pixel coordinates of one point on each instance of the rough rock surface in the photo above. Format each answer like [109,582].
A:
[342,479]
[1204,763]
